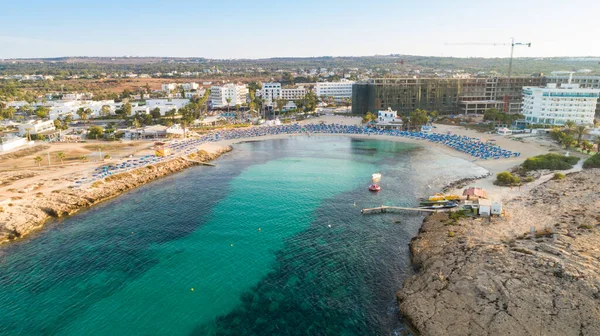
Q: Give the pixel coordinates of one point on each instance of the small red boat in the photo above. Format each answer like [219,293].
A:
[376,178]
[374,187]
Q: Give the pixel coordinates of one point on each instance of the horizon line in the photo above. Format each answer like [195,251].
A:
[293,57]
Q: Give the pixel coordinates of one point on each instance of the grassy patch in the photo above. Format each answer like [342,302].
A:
[550,161]
[592,162]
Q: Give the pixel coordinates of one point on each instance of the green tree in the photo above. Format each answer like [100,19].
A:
[566,140]
[125,94]
[60,156]
[105,111]
[433,115]
[126,110]
[597,142]
[95,132]
[84,113]
[42,112]
[587,146]
[155,113]
[580,130]
[38,160]
[310,101]
[27,109]
[83,158]
[135,123]
[228,100]
[146,119]
[9,112]
[570,125]
[491,114]
[280,103]
[418,118]
[369,117]
[171,113]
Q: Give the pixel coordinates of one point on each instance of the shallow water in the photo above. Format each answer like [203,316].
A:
[270,242]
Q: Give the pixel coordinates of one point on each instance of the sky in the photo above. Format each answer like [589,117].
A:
[225,29]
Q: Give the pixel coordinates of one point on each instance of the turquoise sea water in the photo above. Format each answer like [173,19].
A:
[270,242]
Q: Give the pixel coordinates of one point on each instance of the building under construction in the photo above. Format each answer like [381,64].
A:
[445,95]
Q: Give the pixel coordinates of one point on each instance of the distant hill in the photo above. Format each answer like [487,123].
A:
[521,66]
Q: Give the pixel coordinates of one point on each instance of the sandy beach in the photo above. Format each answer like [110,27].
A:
[29,195]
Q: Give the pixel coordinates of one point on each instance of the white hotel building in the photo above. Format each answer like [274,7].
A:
[554,105]
[338,90]
[219,94]
[270,92]
[293,93]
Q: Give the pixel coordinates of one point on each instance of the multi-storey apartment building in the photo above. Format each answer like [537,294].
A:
[270,92]
[554,105]
[338,90]
[586,82]
[236,94]
[445,95]
[293,93]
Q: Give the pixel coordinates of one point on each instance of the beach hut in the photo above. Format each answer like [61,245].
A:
[496,208]
[474,193]
[485,207]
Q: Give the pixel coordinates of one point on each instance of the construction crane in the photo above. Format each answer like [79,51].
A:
[512,45]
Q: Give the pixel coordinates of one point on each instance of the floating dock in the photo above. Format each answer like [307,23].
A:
[386,208]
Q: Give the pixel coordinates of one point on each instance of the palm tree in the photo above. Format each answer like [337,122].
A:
[566,140]
[597,142]
[228,99]
[60,156]
[587,146]
[38,160]
[369,117]
[580,130]
[569,125]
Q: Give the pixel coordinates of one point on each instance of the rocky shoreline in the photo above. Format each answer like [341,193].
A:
[21,216]
[459,184]
[535,271]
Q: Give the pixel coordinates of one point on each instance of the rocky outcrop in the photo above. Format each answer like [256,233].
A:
[19,217]
[501,277]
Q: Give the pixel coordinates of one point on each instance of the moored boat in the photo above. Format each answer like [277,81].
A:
[448,205]
[375,186]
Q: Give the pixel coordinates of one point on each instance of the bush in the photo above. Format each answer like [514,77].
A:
[507,179]
[529,179]
[550,161]
[558,176]
[451,234]
[456,215]
[592,162]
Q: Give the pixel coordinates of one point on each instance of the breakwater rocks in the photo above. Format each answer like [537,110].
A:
[535,271]
[19,217]
[463,182]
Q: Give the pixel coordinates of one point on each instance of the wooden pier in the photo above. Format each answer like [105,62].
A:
[386,209]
